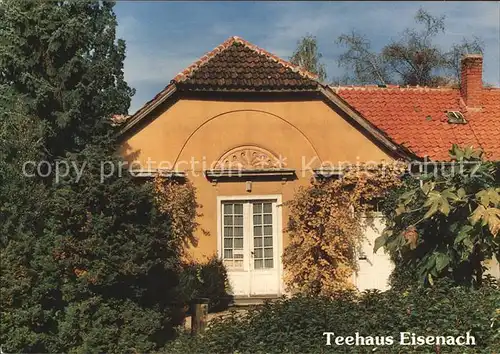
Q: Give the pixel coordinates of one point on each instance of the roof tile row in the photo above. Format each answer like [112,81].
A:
[238,64]
[414,117]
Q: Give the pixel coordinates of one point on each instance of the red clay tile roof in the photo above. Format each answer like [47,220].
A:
[413,117]
[239,65]
[416,118]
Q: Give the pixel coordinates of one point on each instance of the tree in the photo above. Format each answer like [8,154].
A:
[307,56]
[64,58]
[88,264]
[22,210]
[412,59]
[367,66]
[449,225]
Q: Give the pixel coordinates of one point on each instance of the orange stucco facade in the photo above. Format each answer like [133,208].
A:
[192,134]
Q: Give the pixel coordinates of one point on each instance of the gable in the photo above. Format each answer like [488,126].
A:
[239,65]
[305,132]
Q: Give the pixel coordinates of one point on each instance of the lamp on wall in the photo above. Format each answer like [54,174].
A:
[248,186]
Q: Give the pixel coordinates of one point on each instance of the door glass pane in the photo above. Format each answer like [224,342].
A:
[238,209]
[262,235]
[238,231]
[228,243]
[258,264]
[238,243]
[233,235]
[238,220]
[268,253]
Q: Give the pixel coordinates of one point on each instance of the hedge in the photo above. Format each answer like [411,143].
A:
[297,324]
[205,279]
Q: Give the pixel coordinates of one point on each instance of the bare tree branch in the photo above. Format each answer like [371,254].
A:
[412,59]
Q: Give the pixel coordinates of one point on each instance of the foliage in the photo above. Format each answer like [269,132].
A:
[97,253]
[112,325]
[296,325]
[88,264]
[207,280]
[64,58]
[412,59]
[307,56]
[448,226]
[21,210]
[326,227]
[178,201]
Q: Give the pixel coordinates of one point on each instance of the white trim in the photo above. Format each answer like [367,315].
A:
[247,245]
[279,218]
[279,237]
[146,110]
[270,172]
[247,197]
[158,172]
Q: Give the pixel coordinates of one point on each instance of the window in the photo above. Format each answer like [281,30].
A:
[248,232]
[455,117]
[262,235]
[233,234]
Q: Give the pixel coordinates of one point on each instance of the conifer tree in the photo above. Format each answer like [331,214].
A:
[88,264]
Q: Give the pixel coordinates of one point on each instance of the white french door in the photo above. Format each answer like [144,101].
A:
[249,245]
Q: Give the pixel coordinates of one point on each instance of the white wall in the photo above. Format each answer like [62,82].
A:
[374,271]
[493,268]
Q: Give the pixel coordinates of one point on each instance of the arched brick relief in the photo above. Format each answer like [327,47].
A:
[192,136]
[249,157]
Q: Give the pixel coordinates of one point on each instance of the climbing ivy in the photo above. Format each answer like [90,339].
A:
[178,200]
[326,227]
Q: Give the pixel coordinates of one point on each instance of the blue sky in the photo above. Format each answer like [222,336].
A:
[165,37]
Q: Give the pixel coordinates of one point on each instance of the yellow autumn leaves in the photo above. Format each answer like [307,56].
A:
[327,225]
[178,200]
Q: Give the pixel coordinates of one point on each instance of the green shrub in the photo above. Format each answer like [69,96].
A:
[208,280]
[296,325]
[88,264]
[443,224]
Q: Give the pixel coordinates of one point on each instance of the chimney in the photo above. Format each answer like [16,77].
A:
[471,80]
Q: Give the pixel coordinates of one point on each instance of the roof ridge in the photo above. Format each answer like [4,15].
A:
[391,87]
[184,74]
[270,55]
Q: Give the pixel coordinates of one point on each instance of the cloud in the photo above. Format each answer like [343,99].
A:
[165,37]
